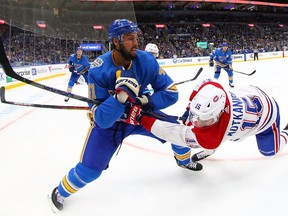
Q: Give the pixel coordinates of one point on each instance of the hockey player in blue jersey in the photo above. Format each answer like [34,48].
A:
[117,78]
[78,65]
[223,60]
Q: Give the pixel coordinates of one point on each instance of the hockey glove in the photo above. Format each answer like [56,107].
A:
[90,114]
[83,71]
[131,114]
[71,68]
[127,87]
[185,116]
[230,67]
[211,63]
[145,101]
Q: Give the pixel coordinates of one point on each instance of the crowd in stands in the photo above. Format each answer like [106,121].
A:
[174,40]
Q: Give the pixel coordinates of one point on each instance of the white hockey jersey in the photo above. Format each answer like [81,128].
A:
[249,111]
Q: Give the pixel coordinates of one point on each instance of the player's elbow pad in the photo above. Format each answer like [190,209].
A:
[108,112]
[172,98]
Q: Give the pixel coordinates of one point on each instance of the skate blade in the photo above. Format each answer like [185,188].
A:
[53,207]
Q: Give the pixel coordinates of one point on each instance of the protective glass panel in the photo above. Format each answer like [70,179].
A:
[48,31]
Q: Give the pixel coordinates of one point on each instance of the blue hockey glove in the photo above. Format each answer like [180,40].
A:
[185,116]
[211,63]
[71,69]
[83,71]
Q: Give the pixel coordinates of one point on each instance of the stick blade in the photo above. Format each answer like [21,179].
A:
[194,78]
[252,73]
[198,73]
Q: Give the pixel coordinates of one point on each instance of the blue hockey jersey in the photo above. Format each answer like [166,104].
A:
[224,58]
[80,64]
[102,78]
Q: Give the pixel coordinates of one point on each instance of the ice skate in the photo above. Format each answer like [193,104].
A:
[56,200]
[66,99]
[231,85]
[200,155]
[191,165]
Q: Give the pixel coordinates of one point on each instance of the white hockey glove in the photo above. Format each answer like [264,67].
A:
[126,87]
[91,113]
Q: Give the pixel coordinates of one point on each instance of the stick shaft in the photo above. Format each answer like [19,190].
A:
[3,100]
[8,70]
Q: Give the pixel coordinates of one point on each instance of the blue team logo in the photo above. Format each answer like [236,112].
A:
[34,71]
[97,63]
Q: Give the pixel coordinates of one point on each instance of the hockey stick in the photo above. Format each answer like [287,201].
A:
[8,70]
[248,74]
[3,100]
[159,116]
[194,78]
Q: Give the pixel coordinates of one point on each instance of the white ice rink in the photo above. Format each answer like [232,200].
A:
[39,146]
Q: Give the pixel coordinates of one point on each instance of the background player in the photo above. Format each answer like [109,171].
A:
[223,60]
[78,65]
[153,49]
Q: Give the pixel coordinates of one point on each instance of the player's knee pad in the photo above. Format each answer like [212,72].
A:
[230,73]
[216,74]
[85,77]
[71,83]
[87,174]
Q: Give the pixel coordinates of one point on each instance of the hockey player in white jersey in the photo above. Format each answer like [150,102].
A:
[153,49]
[215,115]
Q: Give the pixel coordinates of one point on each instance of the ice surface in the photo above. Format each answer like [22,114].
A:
[39,146]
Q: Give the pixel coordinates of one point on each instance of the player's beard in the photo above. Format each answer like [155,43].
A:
[126,54]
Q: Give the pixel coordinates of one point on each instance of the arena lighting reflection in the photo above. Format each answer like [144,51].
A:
[215,1]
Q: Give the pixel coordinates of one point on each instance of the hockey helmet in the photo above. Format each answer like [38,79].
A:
[121,26]
[224,44]
[152,48]
[208,103]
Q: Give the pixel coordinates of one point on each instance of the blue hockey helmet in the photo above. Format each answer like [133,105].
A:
[121,26]
[224,44]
